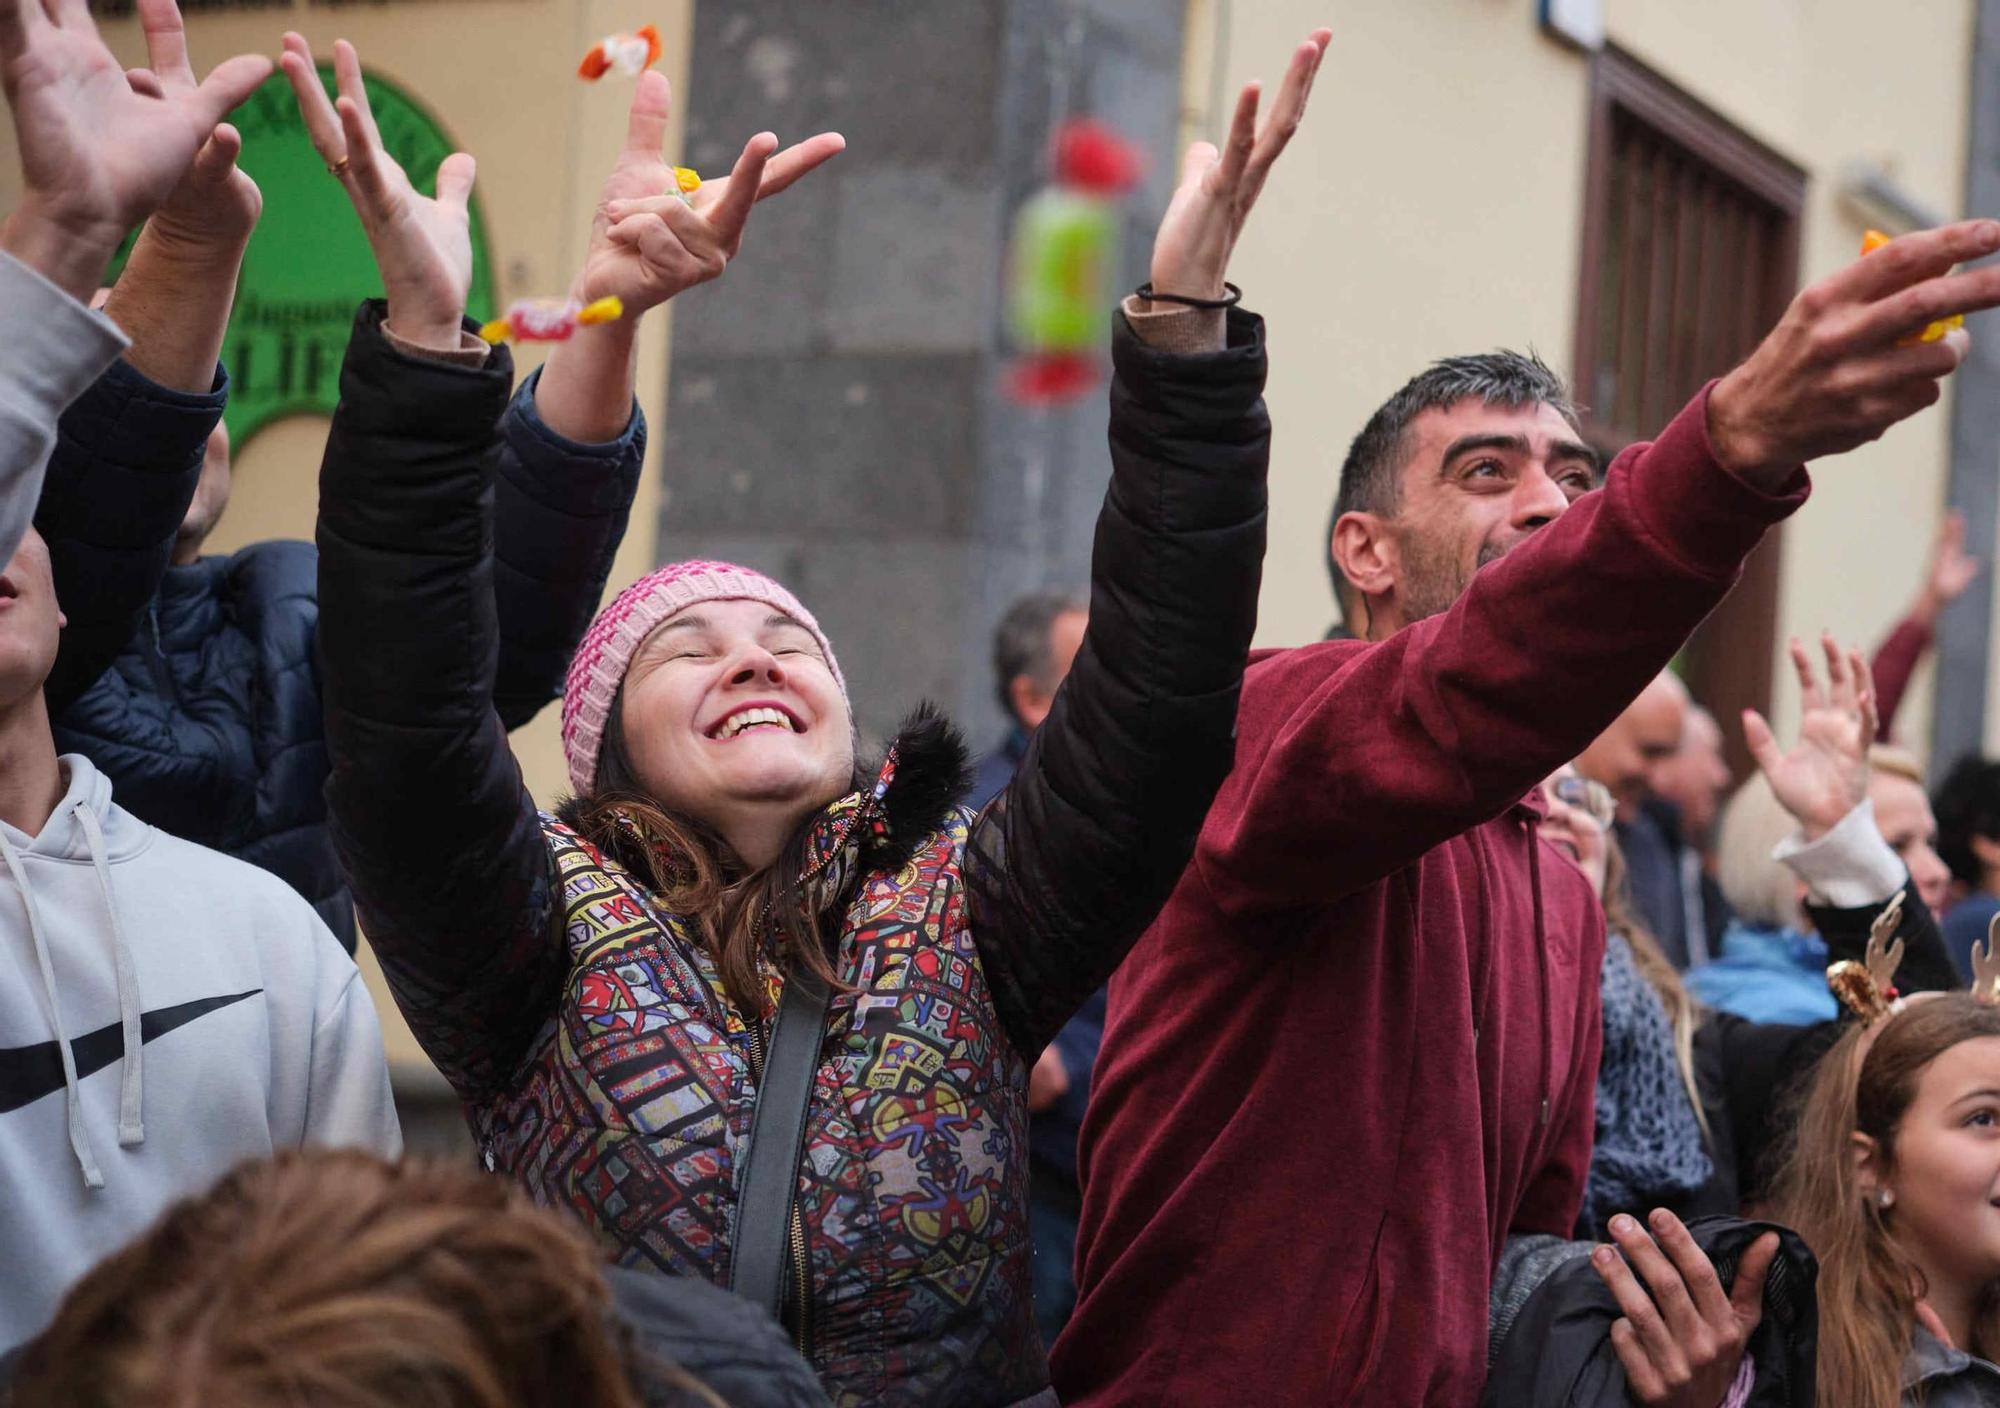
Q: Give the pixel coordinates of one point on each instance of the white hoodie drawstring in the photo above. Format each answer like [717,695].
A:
[79,1138]
[132,1087]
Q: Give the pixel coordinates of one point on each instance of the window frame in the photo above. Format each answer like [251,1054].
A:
[1730,661]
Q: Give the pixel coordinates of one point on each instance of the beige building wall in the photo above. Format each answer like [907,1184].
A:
[1433,204]
[544,143]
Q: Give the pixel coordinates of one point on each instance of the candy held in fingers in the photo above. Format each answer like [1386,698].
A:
[630,54]
[551,320]
[1873,241]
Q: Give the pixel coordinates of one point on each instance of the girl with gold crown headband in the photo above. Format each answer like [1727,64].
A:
[1894,1180]
[1744,1067]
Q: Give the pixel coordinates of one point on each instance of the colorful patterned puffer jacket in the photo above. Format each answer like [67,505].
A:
[601,1062]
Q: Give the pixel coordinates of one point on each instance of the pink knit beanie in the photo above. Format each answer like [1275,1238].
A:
[599,665]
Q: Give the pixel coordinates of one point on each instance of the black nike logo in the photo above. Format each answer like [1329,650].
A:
[27,1073]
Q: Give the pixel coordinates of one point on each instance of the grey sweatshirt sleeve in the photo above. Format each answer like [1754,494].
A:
[348,1102]
[54,349]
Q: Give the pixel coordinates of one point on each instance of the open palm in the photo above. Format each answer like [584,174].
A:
[98,152]
[1217,188]
[422,245]
[1824,776]
[216,202]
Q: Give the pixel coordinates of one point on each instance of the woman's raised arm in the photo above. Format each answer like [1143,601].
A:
[439,838]
[1075,857]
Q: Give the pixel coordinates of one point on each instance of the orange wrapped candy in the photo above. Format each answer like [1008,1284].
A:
[1873,241]
[631,54]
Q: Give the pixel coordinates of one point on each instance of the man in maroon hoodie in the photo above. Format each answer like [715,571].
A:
[1358,1047]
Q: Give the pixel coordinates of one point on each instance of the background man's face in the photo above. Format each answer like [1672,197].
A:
[1696,778]
[211,496]
[1479,480]
[30,622]
[1638,741]
[1033,697]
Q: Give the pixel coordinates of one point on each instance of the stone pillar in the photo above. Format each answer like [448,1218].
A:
[835,415]
[1965,631]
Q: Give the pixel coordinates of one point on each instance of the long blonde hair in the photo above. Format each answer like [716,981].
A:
[1621,916]
[1759,888]
[1868,1290]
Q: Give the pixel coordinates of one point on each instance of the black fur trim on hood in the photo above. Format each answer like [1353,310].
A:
[934,771]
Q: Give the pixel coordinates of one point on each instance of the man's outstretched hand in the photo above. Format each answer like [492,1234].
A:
[1839,368]
[99,151]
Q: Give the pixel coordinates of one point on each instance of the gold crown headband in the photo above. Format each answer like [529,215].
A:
[1868,989]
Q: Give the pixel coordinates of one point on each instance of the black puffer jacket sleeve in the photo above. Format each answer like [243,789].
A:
[1764,1066]
[559,513]
[1926,966]
[438,836]
[127,458]
[1072,861]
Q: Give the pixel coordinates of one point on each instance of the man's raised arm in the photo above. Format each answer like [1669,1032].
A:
[1355,759]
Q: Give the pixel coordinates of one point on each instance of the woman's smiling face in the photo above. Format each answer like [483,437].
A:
[731,705]
[1944,1175]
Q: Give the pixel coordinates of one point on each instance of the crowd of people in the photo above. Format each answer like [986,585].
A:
[1412,1017]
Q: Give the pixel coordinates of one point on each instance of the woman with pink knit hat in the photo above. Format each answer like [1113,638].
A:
[754,1009]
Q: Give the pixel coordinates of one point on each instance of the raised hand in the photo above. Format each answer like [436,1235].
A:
[1217,188]
[1825,775]
[423,246]
[1834,373]
[215,207]
[1952,569]
[647,243]
[1682,1345]
[99,152]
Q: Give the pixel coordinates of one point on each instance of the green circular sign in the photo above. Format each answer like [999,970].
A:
[308,263]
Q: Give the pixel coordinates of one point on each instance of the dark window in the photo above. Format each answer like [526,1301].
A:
[1690,254]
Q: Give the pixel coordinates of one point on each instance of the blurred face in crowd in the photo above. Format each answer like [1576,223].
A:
[1478,481]
[211,497]
[1639,741]
[1032,697]
[730,709]
[1904,815]
[30,621]
[1695,778]
[1579,815]
[1943,1173]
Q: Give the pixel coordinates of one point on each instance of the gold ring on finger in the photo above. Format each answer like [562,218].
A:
[337,169]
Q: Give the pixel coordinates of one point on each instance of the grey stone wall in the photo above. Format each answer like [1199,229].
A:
[1965,631]
[835,415]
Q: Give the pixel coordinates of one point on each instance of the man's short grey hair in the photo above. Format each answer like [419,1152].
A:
[1021,644]
[1369,479]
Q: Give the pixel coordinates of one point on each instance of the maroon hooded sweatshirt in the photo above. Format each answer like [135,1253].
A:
[1359,1046]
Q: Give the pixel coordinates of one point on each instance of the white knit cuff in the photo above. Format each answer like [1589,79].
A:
[1848,868]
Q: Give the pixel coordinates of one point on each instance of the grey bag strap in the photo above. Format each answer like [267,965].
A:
[770,1178]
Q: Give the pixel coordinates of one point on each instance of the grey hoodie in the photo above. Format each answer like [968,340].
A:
[54,349]
[166,1012]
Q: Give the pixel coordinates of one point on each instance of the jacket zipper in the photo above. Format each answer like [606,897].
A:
[156,658]
[796,1243]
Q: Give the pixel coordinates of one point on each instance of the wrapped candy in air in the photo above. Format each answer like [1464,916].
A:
[1059,281]
[629,54]
[1873,241]
[550,319]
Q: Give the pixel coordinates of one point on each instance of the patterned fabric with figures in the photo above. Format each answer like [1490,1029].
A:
[633,1108]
